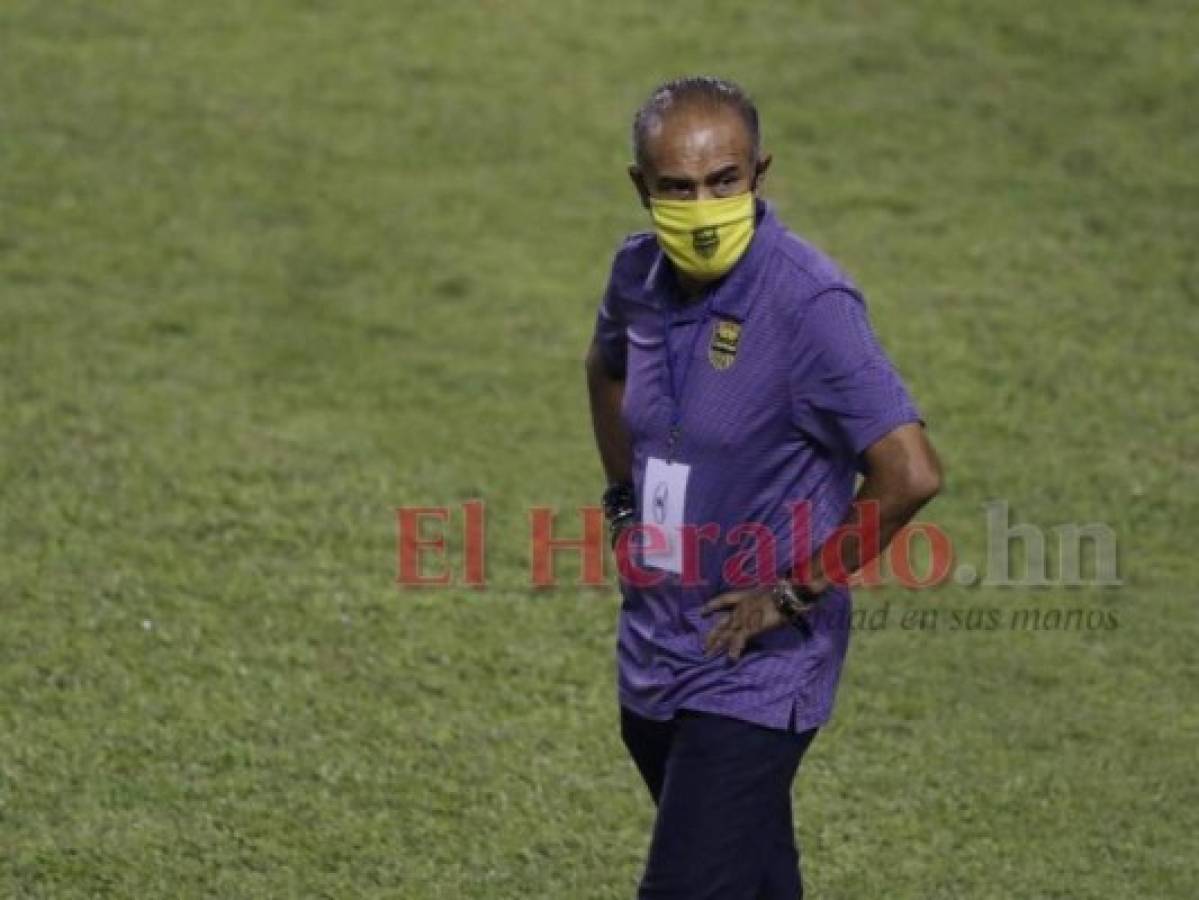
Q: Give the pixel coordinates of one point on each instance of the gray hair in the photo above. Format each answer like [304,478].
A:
[701,89]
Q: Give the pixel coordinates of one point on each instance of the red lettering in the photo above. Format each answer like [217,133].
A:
[651,539]
[865,531]
[940,555]
[411,545]
[544,545]
[762,551]
[474,542]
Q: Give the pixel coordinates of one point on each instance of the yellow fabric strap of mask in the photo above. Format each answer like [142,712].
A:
[704,238]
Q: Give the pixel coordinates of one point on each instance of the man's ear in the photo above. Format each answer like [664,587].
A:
[638,179]
[760,172]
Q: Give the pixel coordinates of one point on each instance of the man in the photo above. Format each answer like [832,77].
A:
[737,391]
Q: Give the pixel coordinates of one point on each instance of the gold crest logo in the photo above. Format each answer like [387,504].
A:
[705,241]
[723,349]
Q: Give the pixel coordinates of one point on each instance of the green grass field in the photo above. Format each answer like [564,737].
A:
[270,270]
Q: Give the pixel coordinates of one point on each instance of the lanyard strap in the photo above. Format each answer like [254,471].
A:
[676,389]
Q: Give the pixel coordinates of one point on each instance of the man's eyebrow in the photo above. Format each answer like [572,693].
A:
[675,180]
[723,172]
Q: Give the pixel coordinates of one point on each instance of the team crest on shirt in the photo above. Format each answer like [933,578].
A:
[705,241]
[723,349]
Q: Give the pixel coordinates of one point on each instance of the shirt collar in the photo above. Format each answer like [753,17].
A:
[733,294]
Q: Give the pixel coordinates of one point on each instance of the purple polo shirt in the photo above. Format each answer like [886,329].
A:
[785,420]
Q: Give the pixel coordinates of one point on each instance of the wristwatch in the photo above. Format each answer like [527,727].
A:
[620,508]
[793,601]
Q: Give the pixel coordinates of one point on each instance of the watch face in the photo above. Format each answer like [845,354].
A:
[786,599]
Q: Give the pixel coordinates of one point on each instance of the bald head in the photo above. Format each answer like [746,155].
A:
[694,94]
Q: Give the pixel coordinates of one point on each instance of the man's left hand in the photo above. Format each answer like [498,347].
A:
[750,613]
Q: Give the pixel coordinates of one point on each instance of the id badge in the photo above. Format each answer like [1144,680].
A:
[663,499]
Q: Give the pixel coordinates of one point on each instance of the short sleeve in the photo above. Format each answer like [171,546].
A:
[611,336]
[845,393]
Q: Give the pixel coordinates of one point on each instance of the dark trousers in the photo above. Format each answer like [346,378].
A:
[723,791]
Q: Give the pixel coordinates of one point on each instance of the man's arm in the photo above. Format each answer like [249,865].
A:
[902,474]
[611,438]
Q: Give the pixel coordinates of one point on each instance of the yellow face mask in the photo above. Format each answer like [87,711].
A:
[704,238]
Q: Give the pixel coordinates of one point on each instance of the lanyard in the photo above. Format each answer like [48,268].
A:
[676,389]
